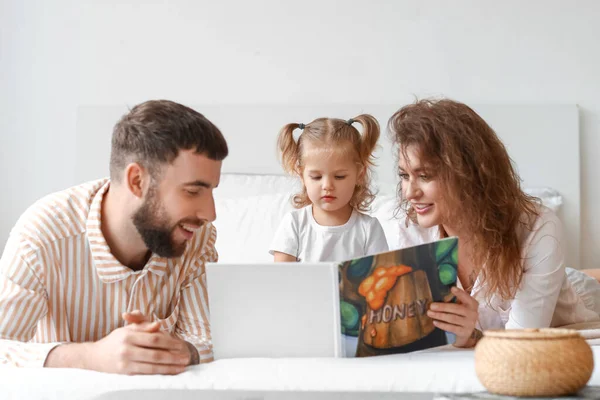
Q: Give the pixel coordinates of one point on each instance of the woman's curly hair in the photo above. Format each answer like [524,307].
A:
[477,177]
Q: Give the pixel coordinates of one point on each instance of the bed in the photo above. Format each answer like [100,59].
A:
[433,371]
[252,197]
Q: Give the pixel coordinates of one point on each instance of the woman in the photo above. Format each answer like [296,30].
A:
[457,179]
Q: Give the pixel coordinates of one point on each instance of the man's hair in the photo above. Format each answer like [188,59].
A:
[154,132]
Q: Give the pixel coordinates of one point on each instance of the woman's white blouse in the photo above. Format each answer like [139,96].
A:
[550,295]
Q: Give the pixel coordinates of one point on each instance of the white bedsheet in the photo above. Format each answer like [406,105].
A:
[445,369]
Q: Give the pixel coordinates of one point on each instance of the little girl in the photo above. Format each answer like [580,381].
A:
[333,161]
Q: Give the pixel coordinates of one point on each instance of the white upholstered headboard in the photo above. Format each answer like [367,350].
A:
[543,141]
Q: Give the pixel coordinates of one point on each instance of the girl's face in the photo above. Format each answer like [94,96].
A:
[330,178]
[421,189]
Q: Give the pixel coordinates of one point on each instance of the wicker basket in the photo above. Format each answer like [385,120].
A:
[532,362]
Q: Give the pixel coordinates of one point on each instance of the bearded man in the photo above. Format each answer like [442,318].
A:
[109,275]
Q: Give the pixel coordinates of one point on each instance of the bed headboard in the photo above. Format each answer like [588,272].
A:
[542,140]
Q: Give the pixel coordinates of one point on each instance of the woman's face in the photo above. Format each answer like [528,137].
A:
[421,189]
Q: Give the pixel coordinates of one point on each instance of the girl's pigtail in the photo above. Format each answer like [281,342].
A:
[288,148]
[363,195]
[369,138]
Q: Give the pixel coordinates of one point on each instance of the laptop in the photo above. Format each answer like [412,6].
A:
[274,310]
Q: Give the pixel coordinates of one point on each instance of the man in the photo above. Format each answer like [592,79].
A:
[109,275]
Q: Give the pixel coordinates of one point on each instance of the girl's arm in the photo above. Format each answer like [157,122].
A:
[285,241]
[282,257]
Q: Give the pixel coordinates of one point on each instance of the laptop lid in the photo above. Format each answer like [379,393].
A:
[274,310]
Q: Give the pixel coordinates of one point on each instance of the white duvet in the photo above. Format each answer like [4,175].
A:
[444,369]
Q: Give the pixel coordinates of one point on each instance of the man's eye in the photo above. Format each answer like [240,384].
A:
[193,192]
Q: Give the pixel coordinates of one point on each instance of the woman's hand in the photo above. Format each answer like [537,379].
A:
[459,318]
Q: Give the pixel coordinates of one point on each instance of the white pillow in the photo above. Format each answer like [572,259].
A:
[246,225]
[250,208]
[256,185]
[549,197]
[244,185]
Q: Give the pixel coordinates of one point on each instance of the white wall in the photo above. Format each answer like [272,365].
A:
[56,56]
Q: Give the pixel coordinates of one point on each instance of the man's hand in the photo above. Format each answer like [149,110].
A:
[459,318]
[139,348]
[136,317]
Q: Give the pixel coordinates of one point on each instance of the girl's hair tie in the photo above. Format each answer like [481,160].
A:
[301,126]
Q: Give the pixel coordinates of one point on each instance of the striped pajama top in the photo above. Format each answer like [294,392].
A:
[60,283]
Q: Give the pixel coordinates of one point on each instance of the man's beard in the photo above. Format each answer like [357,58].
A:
[153,226]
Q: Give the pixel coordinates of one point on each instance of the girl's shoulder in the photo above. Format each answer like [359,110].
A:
[299,216]
[367,221]
[363,217]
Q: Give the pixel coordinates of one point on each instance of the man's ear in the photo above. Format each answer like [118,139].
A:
[136,179]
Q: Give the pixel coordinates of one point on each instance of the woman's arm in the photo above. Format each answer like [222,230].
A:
[459,318]
[594,273]
[543,275]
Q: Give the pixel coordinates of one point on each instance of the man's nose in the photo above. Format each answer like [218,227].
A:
[207,211]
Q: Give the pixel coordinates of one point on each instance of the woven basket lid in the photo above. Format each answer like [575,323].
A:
[533,334]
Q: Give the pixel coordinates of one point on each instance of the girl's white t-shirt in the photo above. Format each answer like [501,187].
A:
[299,235]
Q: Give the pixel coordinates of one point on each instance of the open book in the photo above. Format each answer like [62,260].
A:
[384,298]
